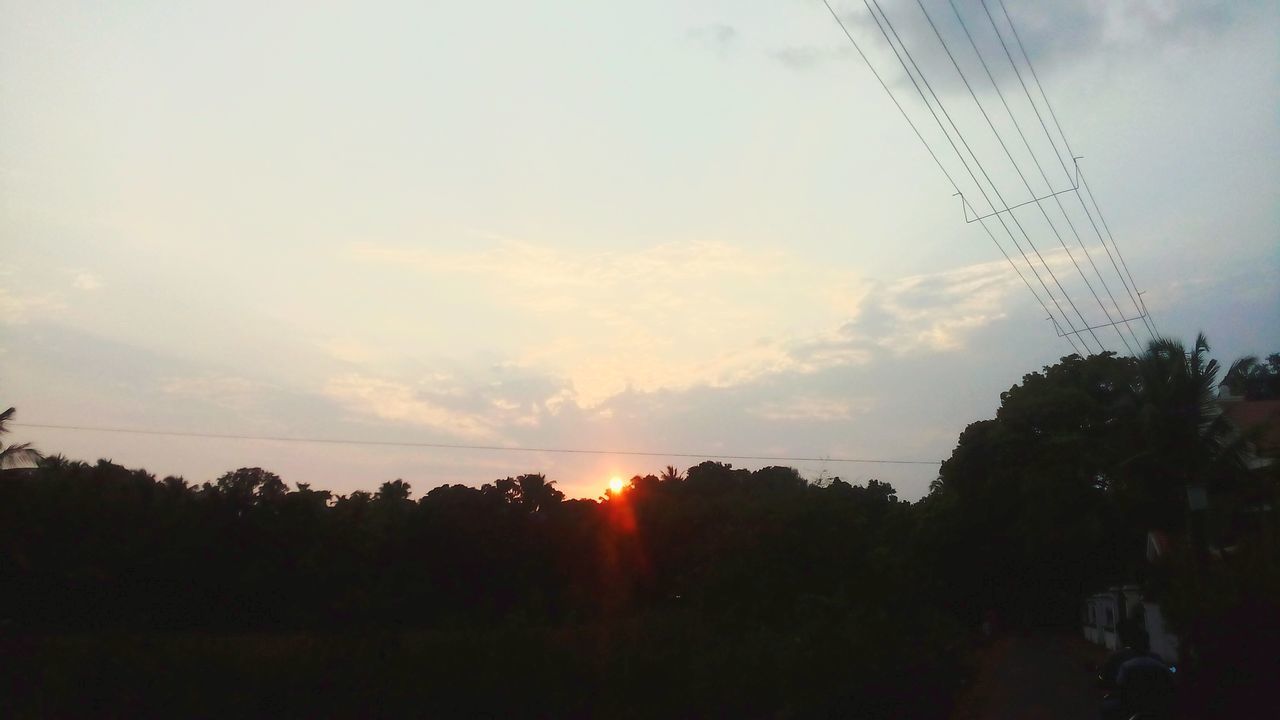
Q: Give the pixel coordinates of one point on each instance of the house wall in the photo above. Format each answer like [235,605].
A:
[1163,642]
[1103,615]
[1100,620]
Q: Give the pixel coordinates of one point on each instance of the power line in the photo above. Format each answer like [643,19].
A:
[453,446]
[1140,303]
[1043,175]
[1035,108]
[1012,216]
[1061,162]
[882,20]
[1071,338]
[1008,153]
[1134,295]
[928,148]
[960,135]
[1053,143]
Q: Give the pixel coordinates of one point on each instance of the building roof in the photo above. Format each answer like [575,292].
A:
[1261,416]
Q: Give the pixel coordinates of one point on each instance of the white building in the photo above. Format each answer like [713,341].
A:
[1104,611]
[1102,614]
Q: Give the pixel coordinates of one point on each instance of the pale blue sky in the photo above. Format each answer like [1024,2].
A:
[672,226]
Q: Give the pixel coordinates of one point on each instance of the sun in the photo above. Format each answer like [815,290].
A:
[616,486]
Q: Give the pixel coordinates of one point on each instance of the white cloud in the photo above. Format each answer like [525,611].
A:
[824,409]
[718,38]
[18,309]
[349,351]
[934,311]
[226,391]
[682,315]
[85,280]
[669,316]
[398,402]
[556,402]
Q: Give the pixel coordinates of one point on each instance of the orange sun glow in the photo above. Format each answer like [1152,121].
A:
[616,485]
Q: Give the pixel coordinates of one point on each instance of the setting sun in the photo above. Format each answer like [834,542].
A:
[616,485]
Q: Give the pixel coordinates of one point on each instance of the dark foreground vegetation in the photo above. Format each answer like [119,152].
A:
[720,592]
[714,592]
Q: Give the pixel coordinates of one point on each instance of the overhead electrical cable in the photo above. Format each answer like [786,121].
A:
[1044,176]
[1131,286]
[1061,162]
[998,213]
[1026,183]
[453,446]
[945,173]
[1070,338]
[1141,303]
[1135,298]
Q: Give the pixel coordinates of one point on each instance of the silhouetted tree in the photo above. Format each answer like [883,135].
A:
[15,456]
[245,488]
[395,490]
[1182,438]
[1254,379]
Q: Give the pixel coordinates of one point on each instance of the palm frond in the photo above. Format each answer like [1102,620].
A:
[17,457]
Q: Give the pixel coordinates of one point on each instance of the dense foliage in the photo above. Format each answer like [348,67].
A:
[723,590]
[1052,500]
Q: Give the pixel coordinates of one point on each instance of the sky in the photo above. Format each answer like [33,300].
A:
[698,228]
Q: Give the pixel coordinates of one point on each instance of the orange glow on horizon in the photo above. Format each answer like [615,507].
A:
[616,485]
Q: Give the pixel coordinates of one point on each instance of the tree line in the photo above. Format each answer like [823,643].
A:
[718,586]
[1052,500]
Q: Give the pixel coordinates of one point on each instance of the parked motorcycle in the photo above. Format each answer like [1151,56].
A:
[1139,687]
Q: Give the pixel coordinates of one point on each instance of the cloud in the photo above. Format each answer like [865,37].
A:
[19,309]
[807,57]
[671,315]
[484,404]
[349,351]
[551,270]
[85,280]
[681,315]
[934,312]
[809,408]
[225,391]
[398,402]
[717,38]
[1053,33]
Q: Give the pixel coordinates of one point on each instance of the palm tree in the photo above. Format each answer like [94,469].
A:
[13,457]
[1254,379]
[1185,441]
